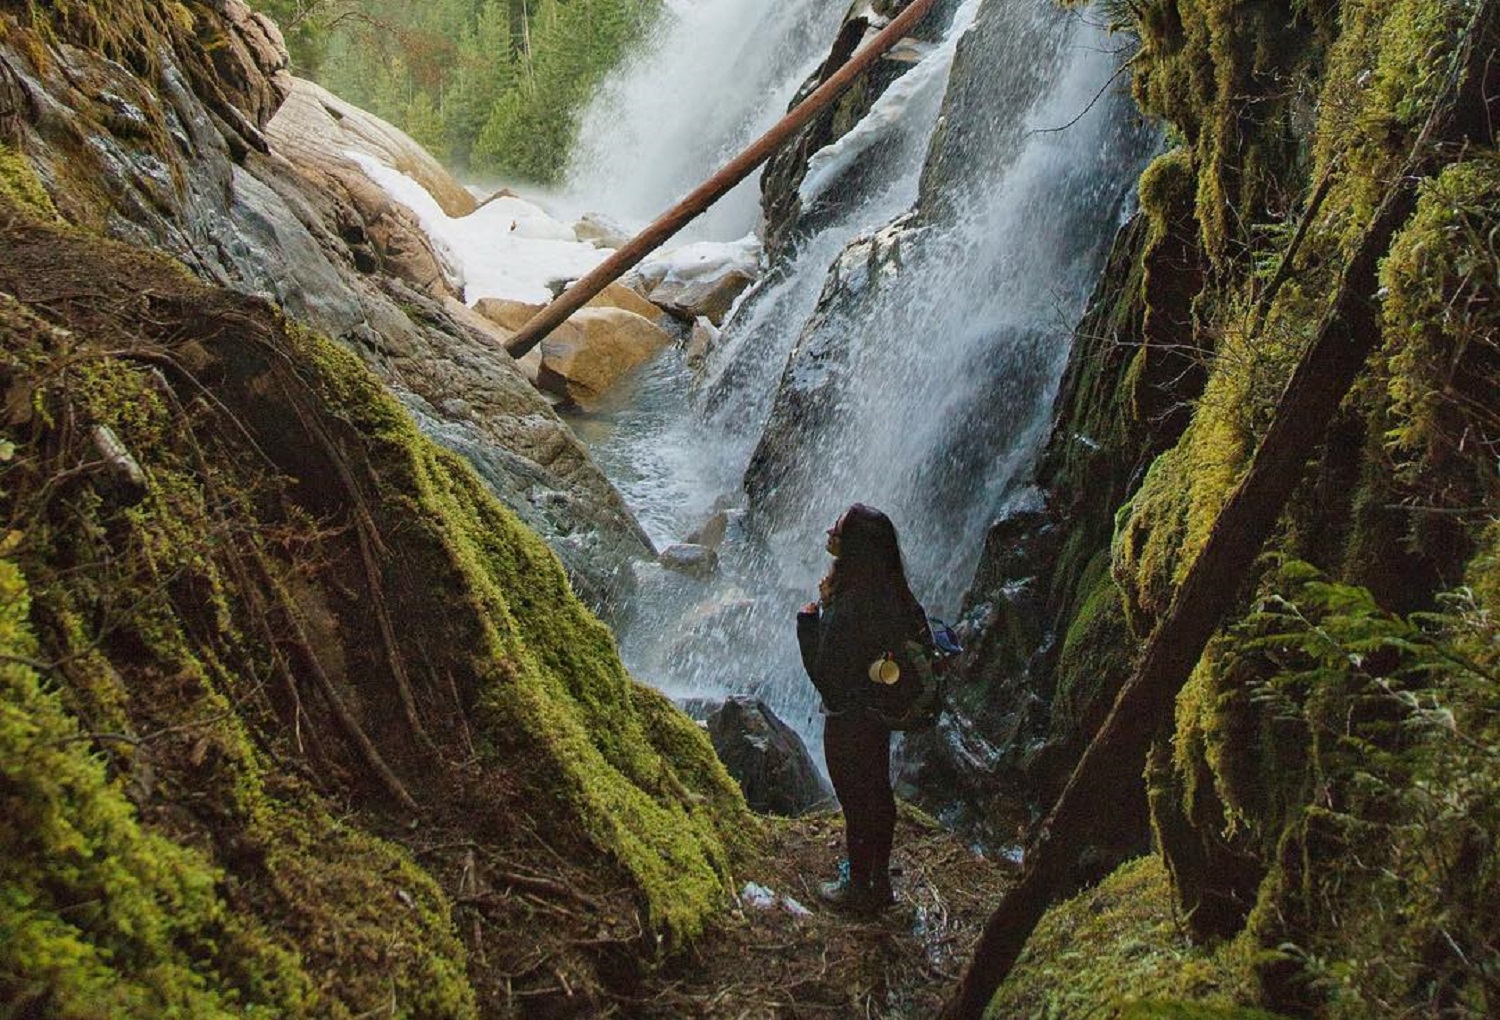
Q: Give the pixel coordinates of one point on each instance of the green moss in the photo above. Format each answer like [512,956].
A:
[636,776]
[1190,1011]
[177,610]
[20,184]
[100,917]
[1229,76]
[1096,653]
[1102,952]
[1161,530]
[164,677]
[1386,67]
[1441,318]
[1166,188]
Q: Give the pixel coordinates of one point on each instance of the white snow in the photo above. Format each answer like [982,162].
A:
[512,248]
[507,248]
[701,260]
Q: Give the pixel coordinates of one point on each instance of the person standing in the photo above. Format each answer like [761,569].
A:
[864,616]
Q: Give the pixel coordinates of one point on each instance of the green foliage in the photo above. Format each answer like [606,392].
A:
[572,45]
[489,86]
[305,25]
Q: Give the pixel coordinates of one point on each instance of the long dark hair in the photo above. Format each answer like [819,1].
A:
[869,558]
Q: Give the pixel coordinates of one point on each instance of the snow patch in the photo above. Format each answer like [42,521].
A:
[703,260]
[507,248]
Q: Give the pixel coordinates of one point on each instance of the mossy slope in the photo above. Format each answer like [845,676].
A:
[299,607]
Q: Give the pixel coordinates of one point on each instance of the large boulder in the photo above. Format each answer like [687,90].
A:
[315,124]
[507,313]
[617,295]
[315,131]
[767,758]
[613,342]
[512,314]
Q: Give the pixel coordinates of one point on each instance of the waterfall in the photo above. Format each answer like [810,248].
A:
[912,369]
[714,76]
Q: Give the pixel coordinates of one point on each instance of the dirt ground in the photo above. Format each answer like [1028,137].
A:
[776,961]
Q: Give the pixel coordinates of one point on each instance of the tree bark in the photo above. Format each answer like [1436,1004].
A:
[1103,779]
[736,170]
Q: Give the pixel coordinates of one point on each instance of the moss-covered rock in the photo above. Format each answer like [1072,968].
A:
[1117,950]
[19,183]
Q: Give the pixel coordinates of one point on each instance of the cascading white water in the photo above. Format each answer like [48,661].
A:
[922,379]
[714,76]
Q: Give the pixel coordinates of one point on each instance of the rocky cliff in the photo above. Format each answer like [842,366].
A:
[142,138]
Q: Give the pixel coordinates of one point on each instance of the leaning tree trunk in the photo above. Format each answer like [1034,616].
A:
[1100,786]
[535,330]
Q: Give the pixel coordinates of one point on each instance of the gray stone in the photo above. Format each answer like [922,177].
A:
[767,758]
[693,560]
[712,533]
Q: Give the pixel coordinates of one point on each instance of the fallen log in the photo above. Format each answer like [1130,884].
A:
[703,196]
[1101,785]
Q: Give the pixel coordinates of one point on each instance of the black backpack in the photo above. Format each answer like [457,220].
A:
[915,700]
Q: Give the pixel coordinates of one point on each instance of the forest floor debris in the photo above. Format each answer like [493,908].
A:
[763,962]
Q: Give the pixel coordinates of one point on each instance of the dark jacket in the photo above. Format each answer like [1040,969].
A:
[849,633]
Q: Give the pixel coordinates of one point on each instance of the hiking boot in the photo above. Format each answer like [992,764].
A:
[843,894]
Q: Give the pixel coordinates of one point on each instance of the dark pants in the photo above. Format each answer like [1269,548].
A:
[857,748]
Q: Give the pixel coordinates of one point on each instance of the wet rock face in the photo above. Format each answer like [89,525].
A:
[784,173]
[814,380]
[767,758]
[193,164]
[691,559]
